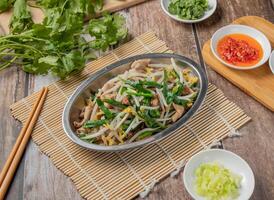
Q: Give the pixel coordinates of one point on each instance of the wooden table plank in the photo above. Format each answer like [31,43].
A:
[12,82]
[39,169]
[256,145]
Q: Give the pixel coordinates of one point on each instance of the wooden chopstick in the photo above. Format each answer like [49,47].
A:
[18,141]
[20,145]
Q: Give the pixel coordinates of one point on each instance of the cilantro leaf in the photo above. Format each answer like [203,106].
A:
[107,30]
[50,60]
[5,5]
[21,19]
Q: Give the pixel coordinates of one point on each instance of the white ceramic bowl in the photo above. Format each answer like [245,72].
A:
[271,62]
[212,5]
[247,30]
[226,158]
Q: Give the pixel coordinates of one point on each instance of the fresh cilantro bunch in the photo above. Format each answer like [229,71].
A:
[57,45]
[188,9]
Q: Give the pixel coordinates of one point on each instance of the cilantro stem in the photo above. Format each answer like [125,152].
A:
[20,36]
[63,7]
[33,4]
[16,54]
[17,46]
[5,65]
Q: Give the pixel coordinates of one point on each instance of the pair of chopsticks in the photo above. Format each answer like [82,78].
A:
[14,158]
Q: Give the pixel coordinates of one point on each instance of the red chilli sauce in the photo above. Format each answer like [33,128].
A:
[240,50]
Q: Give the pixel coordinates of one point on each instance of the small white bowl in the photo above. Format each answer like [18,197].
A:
[271,62]
[246,30]
[212,5]
[226,158]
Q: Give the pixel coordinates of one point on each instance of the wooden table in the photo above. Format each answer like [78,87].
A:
[38,178]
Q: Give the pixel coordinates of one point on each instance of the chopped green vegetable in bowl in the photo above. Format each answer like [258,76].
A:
[215,182]
[188,9]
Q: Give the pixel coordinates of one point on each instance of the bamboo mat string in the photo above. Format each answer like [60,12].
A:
[167,155]
[233,132]
[180,166]
[214,143]
[177,166]
[117,58]
[147,188]
[145,46]
[196,136]
[86,70]
[60,144]
[60,90]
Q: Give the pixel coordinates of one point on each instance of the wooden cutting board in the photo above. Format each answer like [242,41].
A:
[258,83]
[37,14]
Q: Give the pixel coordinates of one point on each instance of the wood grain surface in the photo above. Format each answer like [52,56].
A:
[37,178]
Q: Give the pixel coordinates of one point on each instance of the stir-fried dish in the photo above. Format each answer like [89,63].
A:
[138,103]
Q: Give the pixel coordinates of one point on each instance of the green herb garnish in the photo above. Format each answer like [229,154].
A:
[138,86]
[181,102]
[139,94]
[106,111]
[188,9]
[149,121]
[146,101]
[154,113]
[115,103]
[178,89]
[151,84]
[145,135]
[95,123]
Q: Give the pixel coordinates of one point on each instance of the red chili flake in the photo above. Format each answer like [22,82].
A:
[233,51]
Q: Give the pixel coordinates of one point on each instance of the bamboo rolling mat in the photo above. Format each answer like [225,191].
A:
[126,174]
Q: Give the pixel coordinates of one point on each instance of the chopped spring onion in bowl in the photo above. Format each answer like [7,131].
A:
[218,174]
[215,182]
